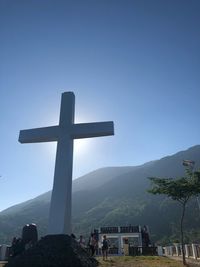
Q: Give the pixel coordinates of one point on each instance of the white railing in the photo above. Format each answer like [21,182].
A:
[4,252]
[191,251]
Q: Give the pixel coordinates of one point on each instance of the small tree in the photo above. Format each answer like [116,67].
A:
[179,189]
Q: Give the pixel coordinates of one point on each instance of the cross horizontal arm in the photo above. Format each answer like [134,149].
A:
[95,129]
[45,134]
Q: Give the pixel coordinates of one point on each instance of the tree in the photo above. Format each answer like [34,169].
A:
[179,189]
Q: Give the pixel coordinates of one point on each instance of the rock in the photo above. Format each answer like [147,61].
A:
[54,251]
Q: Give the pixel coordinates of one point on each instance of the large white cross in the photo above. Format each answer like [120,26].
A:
[64,134]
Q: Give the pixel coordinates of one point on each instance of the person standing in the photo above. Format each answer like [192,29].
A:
[92,244]
[105,248]
[81,241]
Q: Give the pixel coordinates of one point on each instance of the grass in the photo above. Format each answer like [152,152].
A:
[148,261]
[141,261]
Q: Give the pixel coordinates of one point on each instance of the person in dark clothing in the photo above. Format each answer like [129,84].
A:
[105,248]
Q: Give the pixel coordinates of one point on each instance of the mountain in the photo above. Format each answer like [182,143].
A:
[115,196]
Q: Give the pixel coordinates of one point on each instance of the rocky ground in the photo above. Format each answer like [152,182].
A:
[54,251]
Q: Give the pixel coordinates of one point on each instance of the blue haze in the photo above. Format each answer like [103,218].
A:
[135,62]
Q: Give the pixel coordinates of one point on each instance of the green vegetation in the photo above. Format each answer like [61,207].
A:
[181,190]
[116,196]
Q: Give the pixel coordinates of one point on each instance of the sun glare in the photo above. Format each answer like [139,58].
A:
[81,146]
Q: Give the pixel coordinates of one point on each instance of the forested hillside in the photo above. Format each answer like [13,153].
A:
[115,196]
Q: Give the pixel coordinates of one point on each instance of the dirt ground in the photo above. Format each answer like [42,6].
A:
[191,262]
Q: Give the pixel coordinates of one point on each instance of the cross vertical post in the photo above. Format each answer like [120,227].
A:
[59,216]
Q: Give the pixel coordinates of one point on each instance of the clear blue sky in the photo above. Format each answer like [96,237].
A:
[134,62]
